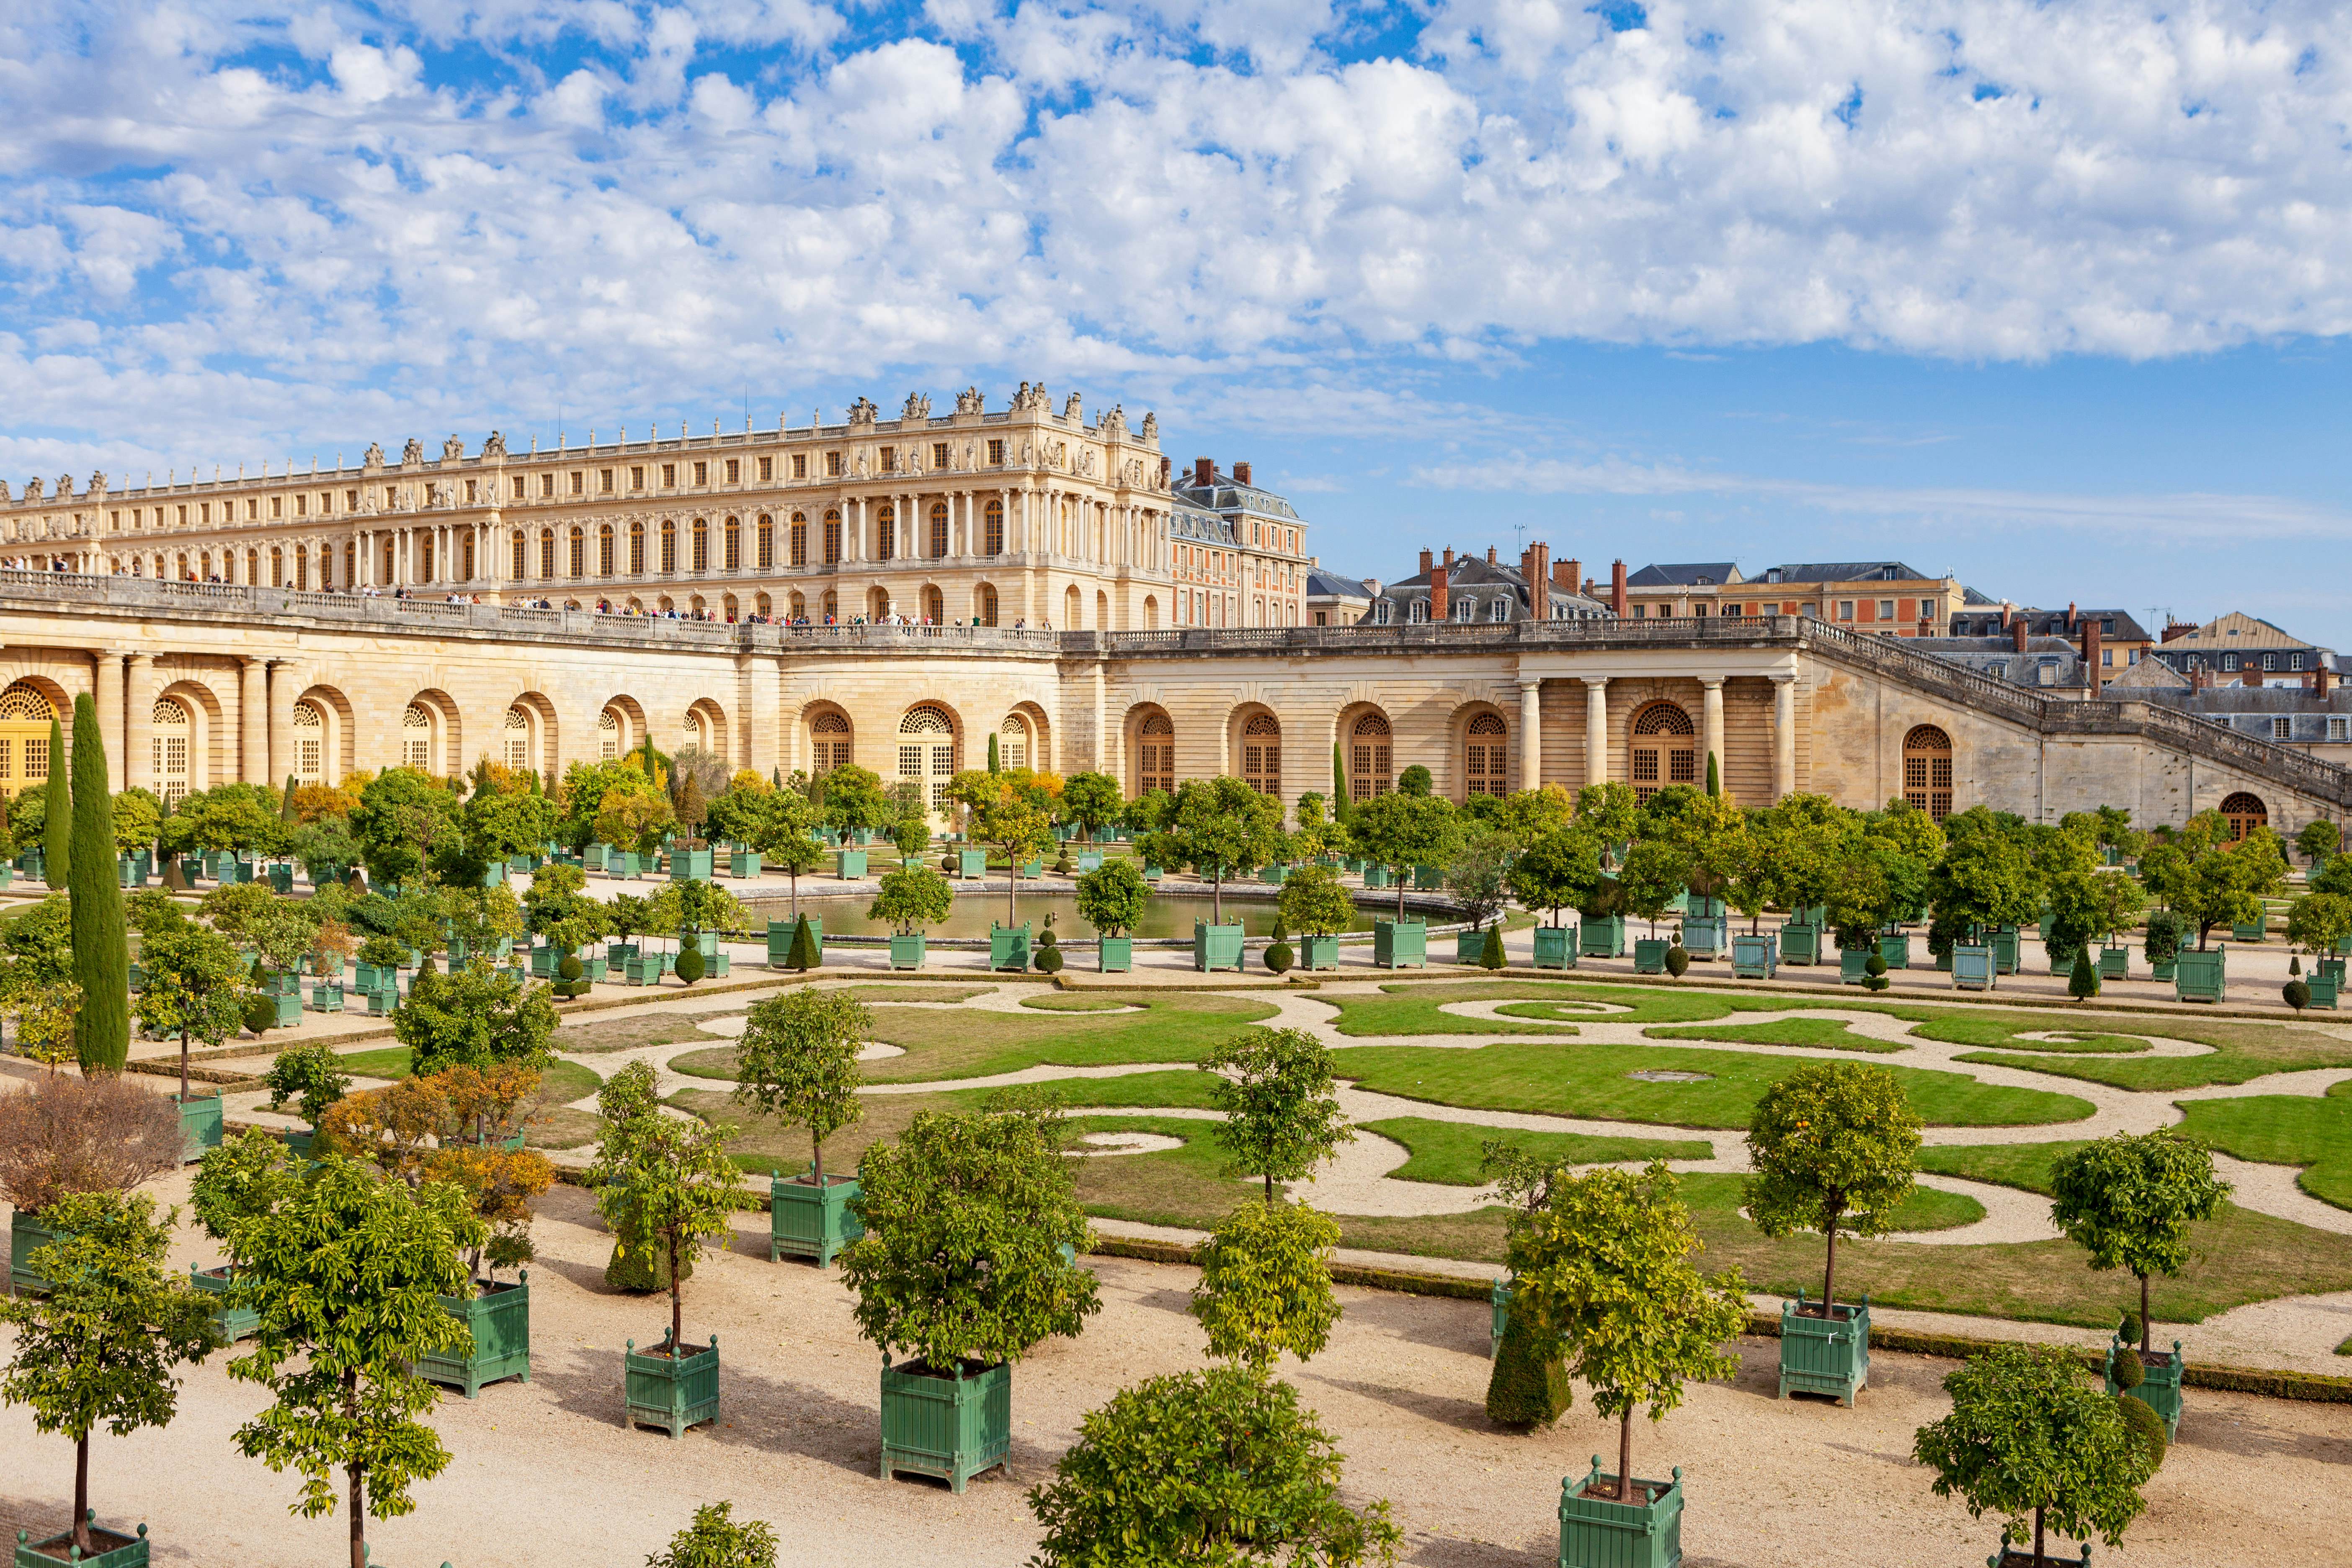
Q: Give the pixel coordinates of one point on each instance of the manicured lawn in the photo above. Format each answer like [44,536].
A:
[1829,1034]
[2025,1165]
[1451,1151]
[2285,1130]
[1593,1081]
[1181,1028]
[560,1083]
[915,992]
[1072,1002]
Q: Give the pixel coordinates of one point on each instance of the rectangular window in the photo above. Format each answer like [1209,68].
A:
[701,473]
[547,487]
[767,470]
[767,545]
[2294,661]
[518,486]
[1845,609]
[604,481]
[2339,729]
[2229,661]
[2282,727]
[302,503]
[996,454]
[1886,609]
[1641,612]
[938,454]
[277,506]
[669,476]
[1698,609]
[833,465]
[1998,670]
[799,465]
[579,482]
[2049,673]
[734,471]
[636,476]
[184,516]
[2107,657]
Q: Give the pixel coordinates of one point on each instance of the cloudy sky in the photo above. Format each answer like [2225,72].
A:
[2050,295]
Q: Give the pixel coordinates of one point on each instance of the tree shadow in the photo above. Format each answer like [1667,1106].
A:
[1463,1415]
[1446,1551]
[2248,1437]
[1439,1322]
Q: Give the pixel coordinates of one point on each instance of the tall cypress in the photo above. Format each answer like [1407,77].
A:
[289,814]
[992,751]
[101,951]
[1339,786]
[56,832]
[1714,778]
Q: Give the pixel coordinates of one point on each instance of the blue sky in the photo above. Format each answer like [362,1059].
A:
[2050,296]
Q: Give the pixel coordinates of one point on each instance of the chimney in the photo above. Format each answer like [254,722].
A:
[2069,616]
[2093,679]
[1424,562]
[2253,672]
[2017,630]
[1203,469]
[1536,570]
[1449,558]
[1490,555]
[1437,591]
[2004,618]
[2319,678]
[1570,574]
[1617,605]
[1241,473]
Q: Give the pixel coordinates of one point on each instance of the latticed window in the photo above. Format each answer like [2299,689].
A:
[172,732]
[800,540]
[767,544]
[636,550]
[2245,813]
[608,736]
[310,743]
[886,531]
[1664,749]
[1484,762]
[1013,740]
[701,544]
[1156,758]
[1262,753]
[927,752]
[938,529]
[734,545]
[517,738]
[547,553]
[833,538]
[1367,757]
[605,551]
[992,529]
[578,554]
[416,739]
[24,716]
[830,735]
[668,548]
[1928,771]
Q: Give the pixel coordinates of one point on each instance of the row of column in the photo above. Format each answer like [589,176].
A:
[124,692]
[1596,729]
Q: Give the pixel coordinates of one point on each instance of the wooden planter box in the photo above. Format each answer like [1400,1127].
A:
[1555,947]
[1153,874]
[235,1322]
[1032,868]
[645,968]
[1649,954]
[114,1548]
[971,863]
[2114,963]
[1824,1356]
[1602,936]
[200,1125]
[1398,943]
[1008,946]
[1854,966]
[1973,968]
[672,1394]
[27,1235]
[1116,954]
[1755,957]
[2201,976]
[2062,959]
[287,1009]
[373,976]
[1376,876]
[1897,950]
[2010,1556]
[850,865]
[1703,936]
[2249,931]
[743,862]
[2160,1391]
[906,951]
[498,1317]
[622,864]
[808,1223]
[1801,942]
[1318,950]
[1602,1533]
[1428,879]
[1468,946]
[951,1428]
[383,1000]
[2326,989]
[1498,1306]
[2004,950]
[1216,947]
[2166,970]
[1089,861]
[327,996]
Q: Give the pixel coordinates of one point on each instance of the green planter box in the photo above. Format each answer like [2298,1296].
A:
[27,1235]
[1602,1533]
[280,984]
[1824,1356]
[2160,1390]
[498,1317]
[1398,943]
[1498,1306]
[743,862]
[115,1550]
[298,1142]
[1649,954]
[1801,942]
[1008,946]
[1376,876]
[1755,956]
[951,1428]
[1153,874]
[2004,950]
[138,976]
[1428,879]
[1973,968]
[289,1009]
[1318,950]
[1854,966]
[373,976]
[1031,870]
[2201,976]
[122,870]
[861,836]
[621,863]
[1897,950]
[672,1394]
[1116,955]
[906,951]
[850,865]
[2326,989]
[691,865]
[235,1322]
[809,1222]
[493,874]
[780,939]
[1216,947]
[645,969]
[2114,963]
[200,1125]
[2062,959]
[1278,875]
[383,999]
[971,863]
[1468,945]
[1555,947]
[593,858]
[1602,936]
[327,996]
[1089,861]
[1704,935]
[2250,930]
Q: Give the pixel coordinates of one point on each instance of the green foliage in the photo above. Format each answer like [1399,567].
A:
[965,1218]
[992,766]
[1092,800]
[1476,873]
[798,1062]
[661,1179]
[1653,872]
[2297,994]
[1415,781]
[913,896]
[403,817]
[1711,838]
[2083,981]
[56,827]
[138,818]
[1526,1391]
[2319,923]
[1147,813]
[2146,1429]
[240,1178]
[1834,1146]
[910,835]
[559,910]
[635,819]
[2129,1371]
[2318,839]
[1221,828]
[853,798]
[585,787]
[1677,959]
[1313,900]
[1559,870]
[689,967]
[804,954]
[475,1017]
[1282,1116]
[2227,885]
[196,988]
[2128,1200]
[1400,830]
[2163,938]
[2029,1440]
[498,826]
[325,848]
[100,1346]
[2127,1330]
[1111,897]
[1265,1283]
[101,951]
[1221,1469]
[309,1074]
[714,1540]
[1278,957]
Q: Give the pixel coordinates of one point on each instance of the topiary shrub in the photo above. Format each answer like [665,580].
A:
[2128,1371]
[641,1267]
[1061,864]
[2083,981]
[260,1014]
[1524,1394]
[691,963]
[1278,955]
[1048,957]
[2297,994]
[804,953]
[1677,961]
[2146,1428]
[1490,956]
[2128,1329]
[571,968]
[948,863]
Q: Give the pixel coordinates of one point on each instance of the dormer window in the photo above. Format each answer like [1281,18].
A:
[1417,613]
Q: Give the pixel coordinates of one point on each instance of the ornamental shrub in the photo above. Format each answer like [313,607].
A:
[260,1014]
[2297,994]
[1278,955]
[1677,961]
[570,967]
[2083,982]
[714,1540]
[101,954]
[2129,1372]
[2128,1329]
[1265,1283]
[804,954]
[2146,1428]
[690,962]
[1525,1393]
[1490,956]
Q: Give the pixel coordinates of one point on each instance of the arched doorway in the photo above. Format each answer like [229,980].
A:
[24,718]
[2245,813]
[310,743]
[1262,753]
[175,729]
[927,752]
[1369,757]
[515,740]
[608,736]
[1927,769]
[1155,762]
[830,743]
[415,739]
[984,604]
[1014,742]
[1486,758]
[1664,749]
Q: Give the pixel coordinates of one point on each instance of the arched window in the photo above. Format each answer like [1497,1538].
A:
[734,557]
[938,529]
[1368,756]
[1664,749]
[993,531]
[934,606]
[829,743]
[886,533]
[547,553]
[636,550]
[1484,762]
[877,603]
[833,538]
[577,557]
[1012,740]
[2245,812]
[520,562]
[1156,755]
[986,605]
[668,547]
[310,744]
[1928,771]
[25,716]
[466,548]
[767,546]
[927,752]
[517,740]
[702,544]
[1262,753]
[604,550]
[800,540]
[173,730]
[608,736]
[416,739]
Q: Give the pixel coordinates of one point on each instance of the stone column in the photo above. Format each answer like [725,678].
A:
[107,693]
[1784,737]
[1711,729]
[139,721]
[1596,729]
[253,721]
[283,686]
[1531,733]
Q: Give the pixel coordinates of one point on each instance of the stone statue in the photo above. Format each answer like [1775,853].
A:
[412,454]
[98,483]
[1150,425]
[1087,461]
[495,446]
[1028,455]
[4,490]
[453,449]
[64,487]
[1021,397]
[1070,409]
[864,412]
[969,401]
[970,459]
[1113,425]
[860,465]
[1058,454]
[919,406]
[373,456]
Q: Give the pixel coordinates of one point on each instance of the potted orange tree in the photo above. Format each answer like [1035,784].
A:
[798,1063]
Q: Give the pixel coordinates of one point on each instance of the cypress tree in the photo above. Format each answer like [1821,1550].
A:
[56,832]
[289,814]
[1714,779]
[1339,786]
[804,954]
[991,754]
[1490,953]
[2082,983]
[1524,1394]
[101,952]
